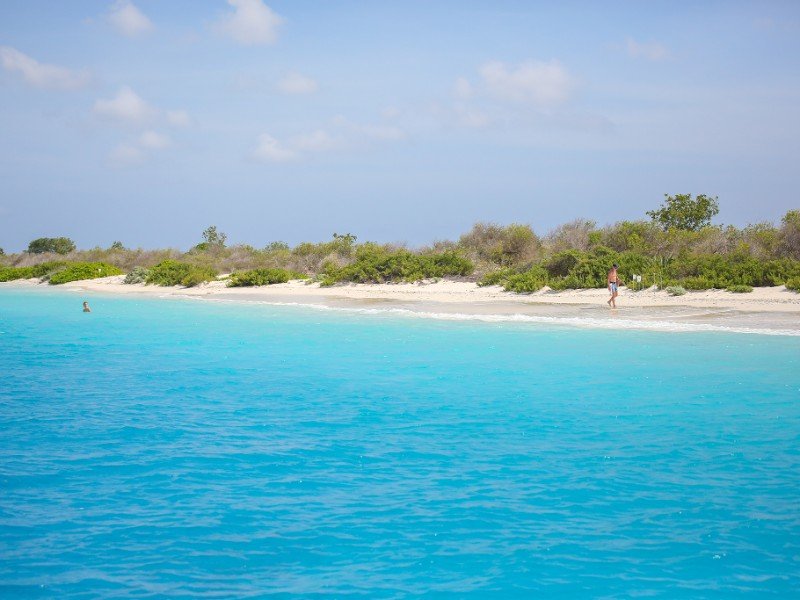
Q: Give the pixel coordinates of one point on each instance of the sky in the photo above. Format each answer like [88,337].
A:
[146,121]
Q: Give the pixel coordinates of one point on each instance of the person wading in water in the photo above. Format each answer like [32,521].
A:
[613,285]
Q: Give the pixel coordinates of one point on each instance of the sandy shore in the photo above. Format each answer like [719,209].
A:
[772,309]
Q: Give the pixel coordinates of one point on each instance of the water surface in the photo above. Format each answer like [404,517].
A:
[183,448]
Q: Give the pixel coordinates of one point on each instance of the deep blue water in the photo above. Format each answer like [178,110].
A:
[174,448]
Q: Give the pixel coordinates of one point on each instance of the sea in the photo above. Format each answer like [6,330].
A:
[177,448]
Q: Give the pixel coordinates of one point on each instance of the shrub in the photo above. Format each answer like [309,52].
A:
[502,245]
[173,272]
[793,284]
[79,271]
[676,290]
[740,289]
[497,277]
[14,273]
[136,275]
[698,283]
[262,277]
[379,264]
[531,280]
[790,234]
[35,271]
[60,245]
[575,235]
[561,263]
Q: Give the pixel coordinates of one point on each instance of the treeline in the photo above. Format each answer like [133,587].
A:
[677,246]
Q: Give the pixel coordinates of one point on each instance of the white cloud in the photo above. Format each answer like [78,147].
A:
[154,140]
[128,19]
[41,75]
[390,112]
[541,83]
[471,117]
[295,83]
[125,106]
[126,155]
[271,150]
[346,135]
[251,22]
[462,88]
[650,51]
[316,141]
[178,118]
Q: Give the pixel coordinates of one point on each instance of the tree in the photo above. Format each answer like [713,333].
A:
[60,245]
[212,239]
[117,246]
[683,212]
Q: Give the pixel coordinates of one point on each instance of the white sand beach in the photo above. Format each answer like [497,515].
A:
[768,309]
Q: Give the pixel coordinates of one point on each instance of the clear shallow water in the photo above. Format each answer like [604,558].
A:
[179,448]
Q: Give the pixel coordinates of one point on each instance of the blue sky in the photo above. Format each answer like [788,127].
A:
[146,121]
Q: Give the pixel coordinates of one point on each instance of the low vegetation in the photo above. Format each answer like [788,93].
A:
[173,272]
[80,271]
[793,284]
[740,289]
[31,272]
[380,264]
[679,247]
[136,275]
[676,290]
[262,277]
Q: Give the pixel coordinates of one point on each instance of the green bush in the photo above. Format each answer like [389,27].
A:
[497,277]
[36,271]
[173,272]
[793,284]
[136,275]
[80,271]
[561,263]
[699,283]
[378,264]
[14,273]
[531,280]
[740,289]
[59,245]
[723,271]
[262,277]
[676,290]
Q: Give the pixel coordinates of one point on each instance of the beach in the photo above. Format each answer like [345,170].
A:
[766,309]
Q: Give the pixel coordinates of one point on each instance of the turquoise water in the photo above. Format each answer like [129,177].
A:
[189,449]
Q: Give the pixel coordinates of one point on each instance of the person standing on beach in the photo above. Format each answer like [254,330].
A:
[613,285]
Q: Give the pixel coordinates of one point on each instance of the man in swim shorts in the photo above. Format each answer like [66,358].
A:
[613,285]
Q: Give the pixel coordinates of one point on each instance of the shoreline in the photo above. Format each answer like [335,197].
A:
[772,310]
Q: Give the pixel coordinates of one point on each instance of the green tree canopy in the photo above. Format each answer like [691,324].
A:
[212,239]
[59,245]
[681,211]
